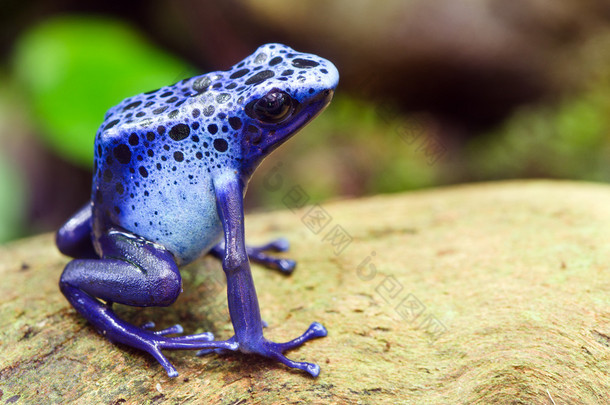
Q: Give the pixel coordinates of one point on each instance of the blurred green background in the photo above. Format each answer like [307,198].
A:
[431,93]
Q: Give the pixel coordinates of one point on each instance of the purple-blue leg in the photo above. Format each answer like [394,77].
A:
[135,272]
[74,237]
[257,255]
[242,299]
[132,271]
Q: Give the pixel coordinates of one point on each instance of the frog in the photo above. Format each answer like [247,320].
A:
[170,173]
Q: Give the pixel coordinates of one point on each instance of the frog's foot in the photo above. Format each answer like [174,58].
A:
[132,272]
[276,350]
[257,254]
[155,341]
[119,331]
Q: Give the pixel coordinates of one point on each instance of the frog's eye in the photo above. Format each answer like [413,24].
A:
[273,107]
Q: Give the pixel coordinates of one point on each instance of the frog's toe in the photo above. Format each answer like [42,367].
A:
[286,266]
[204,352]
[148,325]
[276,350]
[258,254]
[175,329]
[199,337]
[277,245]
[311,368]
[155,351]
[315,330]
[231,345]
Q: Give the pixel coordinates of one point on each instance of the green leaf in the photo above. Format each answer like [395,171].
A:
[12,202]
[75,68]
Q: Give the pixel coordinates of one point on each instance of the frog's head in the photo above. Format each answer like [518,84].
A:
[284,90]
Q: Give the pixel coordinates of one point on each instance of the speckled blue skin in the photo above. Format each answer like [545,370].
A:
[171,170]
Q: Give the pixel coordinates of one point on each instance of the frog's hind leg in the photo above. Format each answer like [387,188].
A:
[136,272]
[74,237]
[257,254]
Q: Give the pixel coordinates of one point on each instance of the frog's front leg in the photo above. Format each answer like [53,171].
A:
[136,272]
[257,254]
[242,299]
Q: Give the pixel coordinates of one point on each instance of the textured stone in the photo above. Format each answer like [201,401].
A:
[490,293]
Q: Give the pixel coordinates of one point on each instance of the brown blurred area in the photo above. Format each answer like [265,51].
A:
[466,64]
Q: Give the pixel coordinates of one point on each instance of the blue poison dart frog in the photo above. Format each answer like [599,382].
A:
[170,173]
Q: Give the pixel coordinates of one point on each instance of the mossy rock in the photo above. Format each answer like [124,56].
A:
[488,293]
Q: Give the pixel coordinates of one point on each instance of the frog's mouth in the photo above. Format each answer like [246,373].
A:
[268,137]
[321,100]
[303,113]
[311,108]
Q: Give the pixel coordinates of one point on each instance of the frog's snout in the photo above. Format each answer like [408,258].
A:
[332,75]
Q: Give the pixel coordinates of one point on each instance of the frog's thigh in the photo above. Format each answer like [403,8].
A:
[74,237]
[132,271]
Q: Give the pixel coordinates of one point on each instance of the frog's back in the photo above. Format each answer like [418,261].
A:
[158,153]
[153,168]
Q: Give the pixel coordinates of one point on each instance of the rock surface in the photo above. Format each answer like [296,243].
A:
[490,293]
